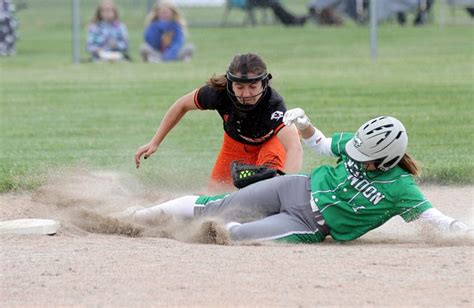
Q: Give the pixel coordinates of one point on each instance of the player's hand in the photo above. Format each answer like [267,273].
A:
[145,151]
[298,117]
[460,227]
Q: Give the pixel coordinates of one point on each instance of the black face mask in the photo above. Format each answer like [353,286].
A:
[264,78]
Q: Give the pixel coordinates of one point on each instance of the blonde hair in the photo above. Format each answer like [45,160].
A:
[97,16]
[177,15]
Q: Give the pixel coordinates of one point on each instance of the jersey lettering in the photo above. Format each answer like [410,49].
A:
[352,168]
[277,115]
[376,198]
[362,185]
[368,191]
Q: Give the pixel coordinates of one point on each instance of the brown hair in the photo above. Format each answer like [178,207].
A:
[97,16]
[409,164]
[255,65]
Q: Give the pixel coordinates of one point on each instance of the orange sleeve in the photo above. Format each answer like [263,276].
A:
[279,127]
[196,102]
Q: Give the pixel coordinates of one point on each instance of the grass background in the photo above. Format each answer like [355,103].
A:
[55,113]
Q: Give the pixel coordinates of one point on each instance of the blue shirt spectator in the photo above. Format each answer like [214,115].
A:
[167,37]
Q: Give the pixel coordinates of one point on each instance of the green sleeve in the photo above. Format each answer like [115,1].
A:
[339,141]
[412,202]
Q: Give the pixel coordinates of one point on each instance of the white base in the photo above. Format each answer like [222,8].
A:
[29,226]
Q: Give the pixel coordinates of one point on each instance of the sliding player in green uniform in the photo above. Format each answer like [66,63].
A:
[372,182]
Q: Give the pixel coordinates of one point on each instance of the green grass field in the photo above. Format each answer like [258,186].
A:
[56,114]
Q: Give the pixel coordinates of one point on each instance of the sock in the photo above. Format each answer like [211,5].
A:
[231,224]
[180,207]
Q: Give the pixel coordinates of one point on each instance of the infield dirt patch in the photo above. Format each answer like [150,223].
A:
[100,261]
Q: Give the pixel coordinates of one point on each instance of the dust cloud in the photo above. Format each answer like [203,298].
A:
[83,199]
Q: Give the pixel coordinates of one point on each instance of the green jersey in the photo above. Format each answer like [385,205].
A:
[354,202]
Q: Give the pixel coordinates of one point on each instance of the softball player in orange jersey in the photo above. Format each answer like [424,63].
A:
[252,113]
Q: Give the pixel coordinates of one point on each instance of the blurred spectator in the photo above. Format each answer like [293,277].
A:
[326,17]
[283,15]
[8,25]
[421,16]
[467,4]
[470,11]
[165,35]
[327,11]
[107,39]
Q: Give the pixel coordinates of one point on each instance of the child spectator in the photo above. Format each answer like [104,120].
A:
[165,35]
[107,39]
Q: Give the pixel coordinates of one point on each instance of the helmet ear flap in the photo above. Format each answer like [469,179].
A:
[384,166]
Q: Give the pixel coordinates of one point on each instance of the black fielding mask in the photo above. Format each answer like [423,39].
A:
[243,78]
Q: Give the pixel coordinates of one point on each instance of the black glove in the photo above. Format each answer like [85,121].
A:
[243,174]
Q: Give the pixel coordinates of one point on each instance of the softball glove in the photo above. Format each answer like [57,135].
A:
[244,175]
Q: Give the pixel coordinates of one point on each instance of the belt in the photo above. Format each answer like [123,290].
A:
[318,217]
[321,223]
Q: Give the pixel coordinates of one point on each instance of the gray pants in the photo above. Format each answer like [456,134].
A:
[274,209]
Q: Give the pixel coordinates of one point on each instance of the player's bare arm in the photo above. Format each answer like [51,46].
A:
[171,118]
[288,137]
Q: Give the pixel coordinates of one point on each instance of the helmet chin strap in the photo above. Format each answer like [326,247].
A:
[244,98]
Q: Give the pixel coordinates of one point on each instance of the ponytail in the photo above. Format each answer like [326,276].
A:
[408,164]
[218,82]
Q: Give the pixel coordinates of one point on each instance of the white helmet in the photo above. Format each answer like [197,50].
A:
[383,139]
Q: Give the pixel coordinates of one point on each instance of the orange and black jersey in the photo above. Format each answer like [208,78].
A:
[250,127]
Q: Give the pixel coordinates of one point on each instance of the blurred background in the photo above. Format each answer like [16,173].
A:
[54,15]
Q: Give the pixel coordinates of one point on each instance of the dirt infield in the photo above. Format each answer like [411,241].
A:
[98,261]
